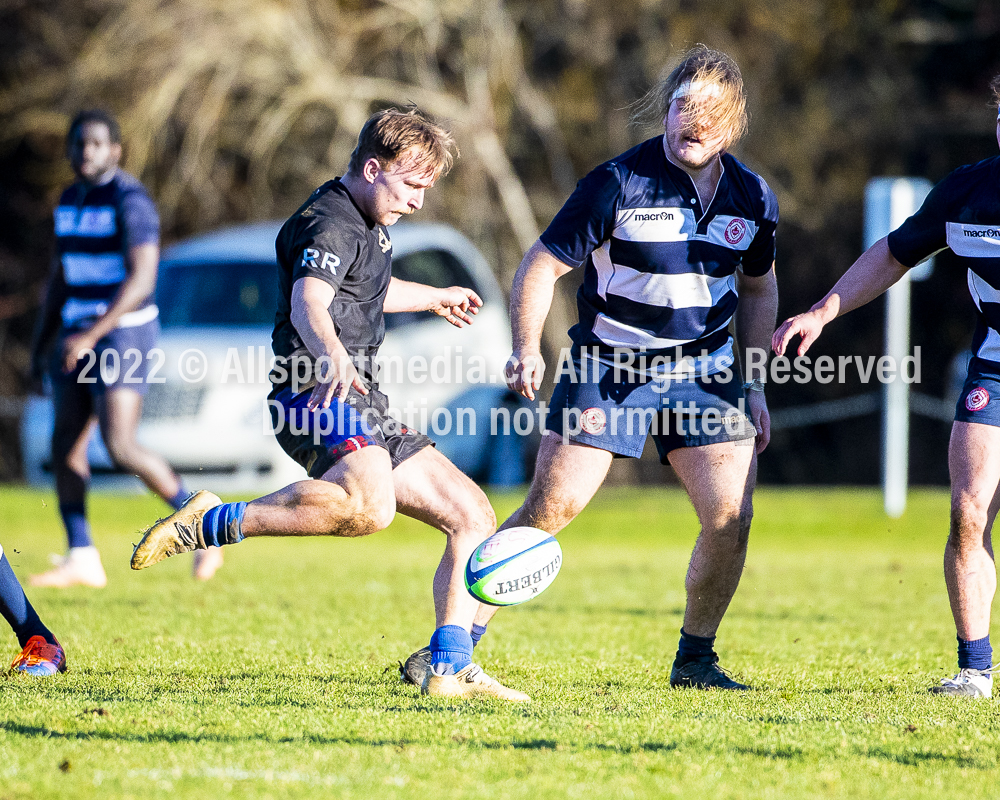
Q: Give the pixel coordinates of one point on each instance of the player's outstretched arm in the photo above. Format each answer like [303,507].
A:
[874,272]
[457,304]
[530,301]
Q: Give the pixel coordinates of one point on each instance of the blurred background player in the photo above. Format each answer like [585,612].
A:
[100,300]
[334,260]
[961,213]
[675,237]
[40,653]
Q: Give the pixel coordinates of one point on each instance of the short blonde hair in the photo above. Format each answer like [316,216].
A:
[390,133]
[724,109]
[995,88]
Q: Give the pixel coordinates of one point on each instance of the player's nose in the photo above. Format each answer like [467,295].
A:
[417,200]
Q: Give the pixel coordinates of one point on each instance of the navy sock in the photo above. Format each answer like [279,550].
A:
[477,633]
[74,517]
[451,649]
[695,648]
[16,609]
[222,524]
[977,654]
[179,499]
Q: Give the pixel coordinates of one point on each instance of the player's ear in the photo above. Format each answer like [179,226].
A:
[370,170]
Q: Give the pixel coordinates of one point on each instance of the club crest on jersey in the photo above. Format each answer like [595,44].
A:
[735,231]
[593,421]
[383,241]
[329,261]
[977,399]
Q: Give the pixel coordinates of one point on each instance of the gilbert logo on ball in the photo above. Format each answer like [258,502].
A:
[513,566]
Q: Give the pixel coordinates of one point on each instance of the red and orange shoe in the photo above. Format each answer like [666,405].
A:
[40,658]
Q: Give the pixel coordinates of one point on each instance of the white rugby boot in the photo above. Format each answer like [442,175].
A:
[81,566]
[968,683]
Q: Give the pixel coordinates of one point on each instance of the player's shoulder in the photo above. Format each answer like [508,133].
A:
[973,175]
[125,183]
[331,201]
[752,184]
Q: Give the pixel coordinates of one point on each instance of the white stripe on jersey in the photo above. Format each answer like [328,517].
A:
[655,225]
[973,241]
[86,221]
[618,334]
[93,269]
[669,291]
[707,364]
[605,269]
[75,311]
[982,291]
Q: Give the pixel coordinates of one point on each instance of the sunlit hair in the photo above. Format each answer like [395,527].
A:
[389,133]
[722,109]
[95,115]
[995,88]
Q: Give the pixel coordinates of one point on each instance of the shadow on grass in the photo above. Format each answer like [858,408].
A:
[180,737]
[982,763]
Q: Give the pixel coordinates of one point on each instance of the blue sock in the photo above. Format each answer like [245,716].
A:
[977,654]
[221,525]
[183,493]
[695,648]
[74,517]
[16,609]
[451,649]
[477,633]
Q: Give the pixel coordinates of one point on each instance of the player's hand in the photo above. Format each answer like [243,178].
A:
[74,347]
[458,305]
[761,418]
[808,325]
[524,372]
[335,375]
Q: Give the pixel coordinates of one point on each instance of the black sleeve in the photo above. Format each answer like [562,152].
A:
[759,257]
[323,248]
[925,233]
[587,218]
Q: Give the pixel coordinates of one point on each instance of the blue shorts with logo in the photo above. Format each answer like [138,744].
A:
[616,412]
[121,361]
[318,439]
[980,397]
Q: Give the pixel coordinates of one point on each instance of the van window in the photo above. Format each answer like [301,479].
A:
[217,294]
[435,268]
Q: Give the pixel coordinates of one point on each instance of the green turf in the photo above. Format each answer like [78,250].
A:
[277,679]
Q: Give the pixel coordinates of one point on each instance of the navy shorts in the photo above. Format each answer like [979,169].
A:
[121,361]
[318,439]
[617,412]
[980,397]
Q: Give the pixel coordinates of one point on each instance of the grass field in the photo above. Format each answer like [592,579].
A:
[278,678]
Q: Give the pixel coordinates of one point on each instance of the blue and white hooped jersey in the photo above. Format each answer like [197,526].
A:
[660,269]
[962,213]
[95,228]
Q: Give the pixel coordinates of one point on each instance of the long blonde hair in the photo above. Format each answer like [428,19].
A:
[724,109]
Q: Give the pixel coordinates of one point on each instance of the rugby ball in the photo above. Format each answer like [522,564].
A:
[513,566]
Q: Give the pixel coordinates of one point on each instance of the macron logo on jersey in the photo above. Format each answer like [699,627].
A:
[974,241]
[329,261]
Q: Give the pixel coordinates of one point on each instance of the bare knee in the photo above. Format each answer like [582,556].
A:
[368,512]
[969,516]
[731,529]
[124,452]
[549,512]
